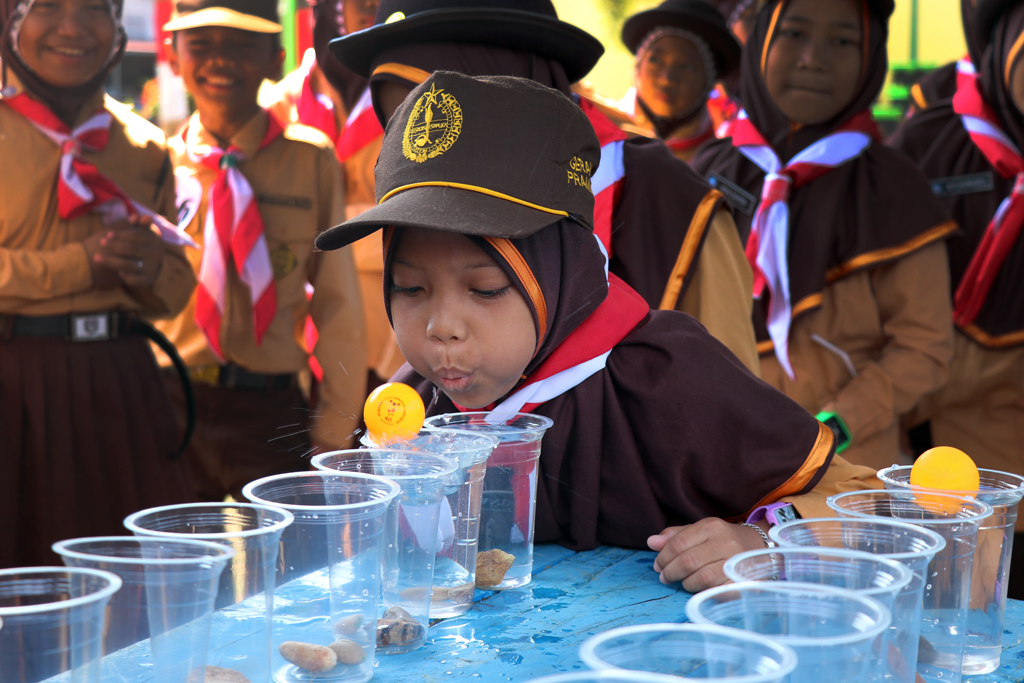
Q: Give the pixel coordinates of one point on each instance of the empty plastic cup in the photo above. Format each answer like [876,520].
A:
[167,593]
[834,632]
[909,544]
[240,630]
[884,580]
[505,553]
[948,581]
[606,676]
[328,581]
[705,651]
[51,622]
[1003,491]
[412,536]
[455,568]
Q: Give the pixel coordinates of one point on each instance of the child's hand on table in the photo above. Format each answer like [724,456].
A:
[696,553]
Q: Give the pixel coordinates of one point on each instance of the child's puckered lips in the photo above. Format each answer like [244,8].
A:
[492,155]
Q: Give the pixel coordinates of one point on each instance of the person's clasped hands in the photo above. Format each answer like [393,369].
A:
[696,553]
[130,253]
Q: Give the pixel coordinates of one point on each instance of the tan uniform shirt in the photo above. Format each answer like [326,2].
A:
[295,180]
[383,355]
[895,324]
[43,265]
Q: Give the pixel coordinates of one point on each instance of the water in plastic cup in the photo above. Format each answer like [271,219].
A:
[51,622]
[510,493]
[834,632]
[245,594]
[1003,491]
[455,566]
[606,676]
[167,593]
[704,651]
[412,536]
[948,580]
[909,544]
[884,580]
[328,580]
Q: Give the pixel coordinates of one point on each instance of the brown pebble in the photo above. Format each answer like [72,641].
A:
[217,674]
[462,593]
[316,659]
[349,625]
[395,632]
[348,651]
[396,613]
[415,593]
[491,566]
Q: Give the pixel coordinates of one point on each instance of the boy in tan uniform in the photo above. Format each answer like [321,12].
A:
[255,193]
[325,95]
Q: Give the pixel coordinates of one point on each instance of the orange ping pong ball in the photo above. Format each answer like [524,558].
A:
[944,468]
[393,411]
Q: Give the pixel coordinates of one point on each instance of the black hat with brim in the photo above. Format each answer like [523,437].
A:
[495,156]
[697,17]
[528,25]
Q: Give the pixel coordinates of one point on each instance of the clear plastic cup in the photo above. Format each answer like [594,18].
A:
[909,544]
[606,676]
[328,579]
[455,568]
[834,632]
[167,593]
[51,622]
[505,553]
[705,651]
[245,595]
[884,580]
[1003,491]
[412,533]
[948,582]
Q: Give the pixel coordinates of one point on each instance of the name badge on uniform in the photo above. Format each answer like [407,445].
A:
[738,198]
[970,183]
[304,203]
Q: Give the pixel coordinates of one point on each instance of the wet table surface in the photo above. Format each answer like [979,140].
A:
[517,635]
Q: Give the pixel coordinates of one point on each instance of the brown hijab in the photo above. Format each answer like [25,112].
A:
[660,195]
[64,102]
[937,140]
[868,211]
[329,23]
[672,430]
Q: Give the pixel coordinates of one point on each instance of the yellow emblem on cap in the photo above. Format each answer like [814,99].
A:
[433,127]
[397,16]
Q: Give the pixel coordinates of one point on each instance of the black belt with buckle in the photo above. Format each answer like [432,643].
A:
[104,326]
[233,376]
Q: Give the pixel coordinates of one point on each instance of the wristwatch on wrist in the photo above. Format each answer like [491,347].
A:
[838,427]
[775,513]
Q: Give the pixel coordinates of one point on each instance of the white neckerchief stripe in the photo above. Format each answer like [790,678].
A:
[979,126]
[610,170]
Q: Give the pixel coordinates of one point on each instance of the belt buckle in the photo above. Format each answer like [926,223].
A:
[205,374]
[90,327]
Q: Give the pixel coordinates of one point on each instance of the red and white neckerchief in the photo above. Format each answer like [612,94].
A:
[1004,229]
[768,244]
[81,188]
[607,180]
[312,108]
[233,230]
[361,128]
[704,133]
[722,108]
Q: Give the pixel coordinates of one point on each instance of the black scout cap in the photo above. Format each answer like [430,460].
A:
[695,16]
[489,155]
[530,25]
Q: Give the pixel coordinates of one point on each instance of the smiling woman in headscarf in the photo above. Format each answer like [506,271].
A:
[87,429]
[851,317]
[682,49]
[498,292]
[973,143]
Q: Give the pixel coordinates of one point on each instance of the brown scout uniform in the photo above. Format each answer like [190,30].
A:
[295,181]
[86,428]
[383,355]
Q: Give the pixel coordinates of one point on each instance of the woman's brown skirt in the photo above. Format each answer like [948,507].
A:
[86,437]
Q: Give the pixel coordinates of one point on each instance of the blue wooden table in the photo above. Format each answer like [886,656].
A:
[517,635]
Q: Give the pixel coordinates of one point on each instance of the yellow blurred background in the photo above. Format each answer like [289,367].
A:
[939,36]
